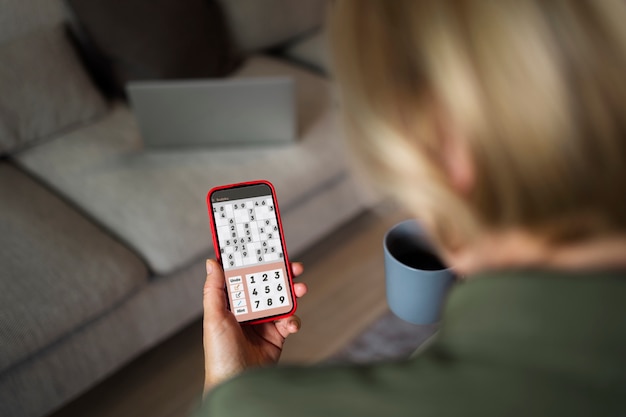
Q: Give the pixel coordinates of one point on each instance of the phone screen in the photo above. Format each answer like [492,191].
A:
[252,252]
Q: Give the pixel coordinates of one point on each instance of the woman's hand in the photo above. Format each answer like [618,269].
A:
[230,348]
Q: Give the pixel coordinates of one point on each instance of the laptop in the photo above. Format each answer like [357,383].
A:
[228,112]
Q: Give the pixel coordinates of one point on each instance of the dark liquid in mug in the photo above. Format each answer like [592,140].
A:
[406,251]
[420,260]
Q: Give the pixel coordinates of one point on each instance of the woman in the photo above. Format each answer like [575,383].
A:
[502,126]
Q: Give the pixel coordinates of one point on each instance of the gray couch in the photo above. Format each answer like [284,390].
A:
[102,242]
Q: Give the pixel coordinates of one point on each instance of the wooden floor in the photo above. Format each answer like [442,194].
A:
[344,274]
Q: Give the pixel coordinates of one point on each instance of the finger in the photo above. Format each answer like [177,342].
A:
[300,289]
[214,299]
[297,268]
[288,325]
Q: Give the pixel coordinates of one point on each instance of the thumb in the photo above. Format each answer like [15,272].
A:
[214,299]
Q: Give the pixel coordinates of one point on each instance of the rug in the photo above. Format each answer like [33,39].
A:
[387,338]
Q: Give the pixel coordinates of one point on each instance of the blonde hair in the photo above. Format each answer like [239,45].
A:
[535,87]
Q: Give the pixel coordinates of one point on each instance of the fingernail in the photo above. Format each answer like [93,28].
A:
[209,266]
[294,326]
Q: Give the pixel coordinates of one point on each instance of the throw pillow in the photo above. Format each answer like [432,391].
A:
[262,24]
[125,40]
[45,89]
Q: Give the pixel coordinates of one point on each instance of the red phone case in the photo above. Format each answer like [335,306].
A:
[282,241]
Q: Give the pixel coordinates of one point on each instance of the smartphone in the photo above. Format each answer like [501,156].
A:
[249,243]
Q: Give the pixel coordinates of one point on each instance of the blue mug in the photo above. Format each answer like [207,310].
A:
[417,281]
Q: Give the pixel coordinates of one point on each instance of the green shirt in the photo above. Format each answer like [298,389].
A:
[511,344]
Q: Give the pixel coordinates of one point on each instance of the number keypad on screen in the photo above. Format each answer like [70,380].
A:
[248,232]
[267,290]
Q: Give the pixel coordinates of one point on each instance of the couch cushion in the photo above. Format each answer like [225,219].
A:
[258,25]
[45,89]
[155,200]
[147,39]
[59,271]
